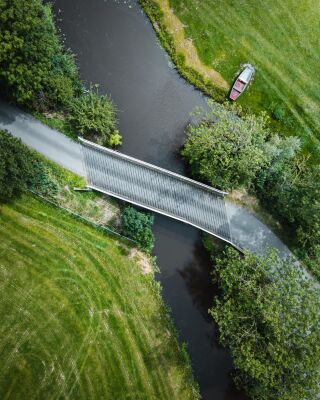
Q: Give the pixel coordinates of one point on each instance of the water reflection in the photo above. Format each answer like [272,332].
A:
[197,277]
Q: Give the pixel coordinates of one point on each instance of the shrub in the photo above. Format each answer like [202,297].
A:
[137,226]
[268,315]
[224,150]
[20,169]
[115,139]
[94,116]
[60,91]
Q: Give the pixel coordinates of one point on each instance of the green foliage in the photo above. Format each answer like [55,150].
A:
[269,317]
[94,116]
[137,226]
[34,69]
[290,188]
[20,169]
[115,139]
[224,150]
[60,90]
[42,182]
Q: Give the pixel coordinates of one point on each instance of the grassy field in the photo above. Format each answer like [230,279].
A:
[281,39]
[79,320]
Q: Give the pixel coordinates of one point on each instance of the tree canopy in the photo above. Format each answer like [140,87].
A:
[34,68]
[268,315]
[224,150]
[230,151]
[37,72]
[20,169]
[290,188]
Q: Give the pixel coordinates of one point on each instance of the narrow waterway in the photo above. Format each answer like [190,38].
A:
[116,47]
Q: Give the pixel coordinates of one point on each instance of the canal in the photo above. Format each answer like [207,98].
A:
[117,48]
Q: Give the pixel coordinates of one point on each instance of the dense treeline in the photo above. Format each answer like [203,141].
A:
[268,315]
[290,188]
[39,74]
[231,151]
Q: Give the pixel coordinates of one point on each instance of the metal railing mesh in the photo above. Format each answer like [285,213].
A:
[156,189]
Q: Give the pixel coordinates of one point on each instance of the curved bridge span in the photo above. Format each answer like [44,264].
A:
[156,189]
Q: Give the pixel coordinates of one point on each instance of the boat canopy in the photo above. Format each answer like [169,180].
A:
[246,74]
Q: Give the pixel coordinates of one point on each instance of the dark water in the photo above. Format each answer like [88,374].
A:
[117,48]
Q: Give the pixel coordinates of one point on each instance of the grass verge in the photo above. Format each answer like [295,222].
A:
[84,321]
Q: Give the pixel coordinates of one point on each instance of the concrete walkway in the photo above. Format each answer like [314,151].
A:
[247,231]
[52,144]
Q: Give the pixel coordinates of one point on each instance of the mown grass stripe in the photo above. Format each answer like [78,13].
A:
[83,318]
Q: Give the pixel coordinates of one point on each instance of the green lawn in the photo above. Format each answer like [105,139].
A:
[280,38]
[78,318]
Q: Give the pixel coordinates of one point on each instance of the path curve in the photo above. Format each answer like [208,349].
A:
[247,231]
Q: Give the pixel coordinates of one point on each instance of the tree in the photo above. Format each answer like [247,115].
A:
[94,116]
[224,150]
[20,169]
[290,187]
[34,69]
[137,226]
[268,315]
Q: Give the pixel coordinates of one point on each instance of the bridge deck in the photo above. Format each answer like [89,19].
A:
[156,189]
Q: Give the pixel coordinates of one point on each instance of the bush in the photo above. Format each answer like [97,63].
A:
[268,315]
[137,226]
[34,68]
[224,150]
[20,169]
[115,139]
[94,117]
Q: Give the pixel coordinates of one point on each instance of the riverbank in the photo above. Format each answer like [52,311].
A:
[171,34]
[283,85]
[164,19]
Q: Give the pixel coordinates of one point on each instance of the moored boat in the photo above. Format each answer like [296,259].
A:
[241,82]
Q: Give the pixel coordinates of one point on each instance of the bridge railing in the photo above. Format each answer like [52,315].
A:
[156,189]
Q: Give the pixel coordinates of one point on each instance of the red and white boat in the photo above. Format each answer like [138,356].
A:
[241,82]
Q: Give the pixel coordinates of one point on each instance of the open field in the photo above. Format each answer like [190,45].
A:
[79,320]
[281,39]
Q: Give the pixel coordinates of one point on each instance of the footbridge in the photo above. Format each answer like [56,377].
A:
[156,189]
